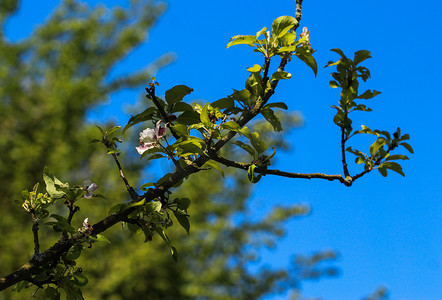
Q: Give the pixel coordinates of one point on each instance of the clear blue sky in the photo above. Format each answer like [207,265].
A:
[388,231]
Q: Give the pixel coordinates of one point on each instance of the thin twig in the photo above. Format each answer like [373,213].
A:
[129,188]
[36,222]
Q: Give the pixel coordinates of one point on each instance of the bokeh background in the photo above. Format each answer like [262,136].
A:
[387,231]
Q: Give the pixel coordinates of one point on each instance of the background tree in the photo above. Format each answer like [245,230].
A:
[48,82]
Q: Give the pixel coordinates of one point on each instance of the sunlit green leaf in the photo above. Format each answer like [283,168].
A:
[255,69]
[242,40]
[215,165]
[281,75]
[306,56]
[376,145]
[282,25]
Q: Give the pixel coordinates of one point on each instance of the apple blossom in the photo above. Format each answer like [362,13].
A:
[89,187]
[149,137]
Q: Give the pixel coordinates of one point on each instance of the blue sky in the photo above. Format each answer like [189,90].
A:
[387,230]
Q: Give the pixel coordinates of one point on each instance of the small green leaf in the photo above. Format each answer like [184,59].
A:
[334,84]
[242,40]
[281,105]
[245,147]
[74,252]
[282,25]
[281,75]
[376,145]
[79,278]
[368,94]
[205,116]
[231,125]
[144,116]
[112,130]
[392,166]
[183,220]
[255,69]
[224,103]
[361,55]
[215,165]
[177,93]
[251,174]
[397,156]
[144,186]
[270,116]
[182,203]
[407,146]
[99,238]
[51,181]
[306,56]
[180,129]
[165,238]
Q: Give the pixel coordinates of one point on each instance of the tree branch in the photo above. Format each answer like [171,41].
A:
[129,188]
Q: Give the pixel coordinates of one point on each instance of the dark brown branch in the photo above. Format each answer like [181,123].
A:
[129,188]
[265,171]
[35,224]
[343,140]
[298,13]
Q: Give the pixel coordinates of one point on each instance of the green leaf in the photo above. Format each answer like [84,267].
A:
[242,40]
[144,186]
[165,238]
[181,106]
[270,116]
[224,103]
[255,69]
[99,238]
[144,116]
[361,55]
[74,252]
[177,93]
[282,25]
[392,166]
[251,174]
[50,181]
[339,51]
[52,293]
[281,75]
[368,94]
[61,224]
[407,146]
[245,147]
[231,125]
[377,145]
[306,56]
[180,129]
[182,203]
[117,208]
[281,105]
[183,220]
[334,84]
[112,130]
[215,165]
[397,156]
[188,117]
[79,278]
[205,116]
